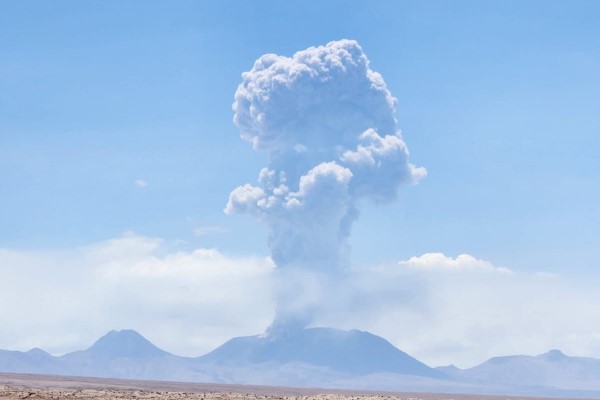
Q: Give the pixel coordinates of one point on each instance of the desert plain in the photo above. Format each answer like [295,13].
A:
[50,387]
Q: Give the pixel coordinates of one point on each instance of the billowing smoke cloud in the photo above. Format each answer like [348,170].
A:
[327,122]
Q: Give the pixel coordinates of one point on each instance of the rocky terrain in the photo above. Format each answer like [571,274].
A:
[47,387]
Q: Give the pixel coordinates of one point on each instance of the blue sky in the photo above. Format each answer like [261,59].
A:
[116,117]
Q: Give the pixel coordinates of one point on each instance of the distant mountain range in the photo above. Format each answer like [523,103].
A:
[118,354]
[552,370]
[315,357]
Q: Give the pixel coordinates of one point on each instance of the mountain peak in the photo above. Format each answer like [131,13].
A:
[554,355]
[37,351]
[125,343]
[125,333]
[451,368]
[38,354]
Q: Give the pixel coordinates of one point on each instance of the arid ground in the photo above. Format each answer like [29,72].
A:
[27,386]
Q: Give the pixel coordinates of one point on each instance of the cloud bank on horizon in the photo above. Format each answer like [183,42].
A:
[327,122]
[437,308]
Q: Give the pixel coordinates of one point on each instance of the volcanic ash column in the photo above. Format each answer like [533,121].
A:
[327,122]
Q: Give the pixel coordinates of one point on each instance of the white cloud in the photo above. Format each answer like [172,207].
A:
[140,183]
[465,310]
[439,309]
[185,301]
[441,262]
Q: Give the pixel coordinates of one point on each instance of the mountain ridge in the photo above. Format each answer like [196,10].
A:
[315,357]
[550,369]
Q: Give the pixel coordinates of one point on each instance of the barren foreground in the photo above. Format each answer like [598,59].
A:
[46,387]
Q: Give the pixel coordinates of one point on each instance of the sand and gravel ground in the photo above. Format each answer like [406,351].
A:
[47,387]
[9,393]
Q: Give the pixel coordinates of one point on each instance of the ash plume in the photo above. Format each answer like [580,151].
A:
[327,122]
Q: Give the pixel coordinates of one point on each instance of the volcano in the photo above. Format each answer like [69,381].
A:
[351,352]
